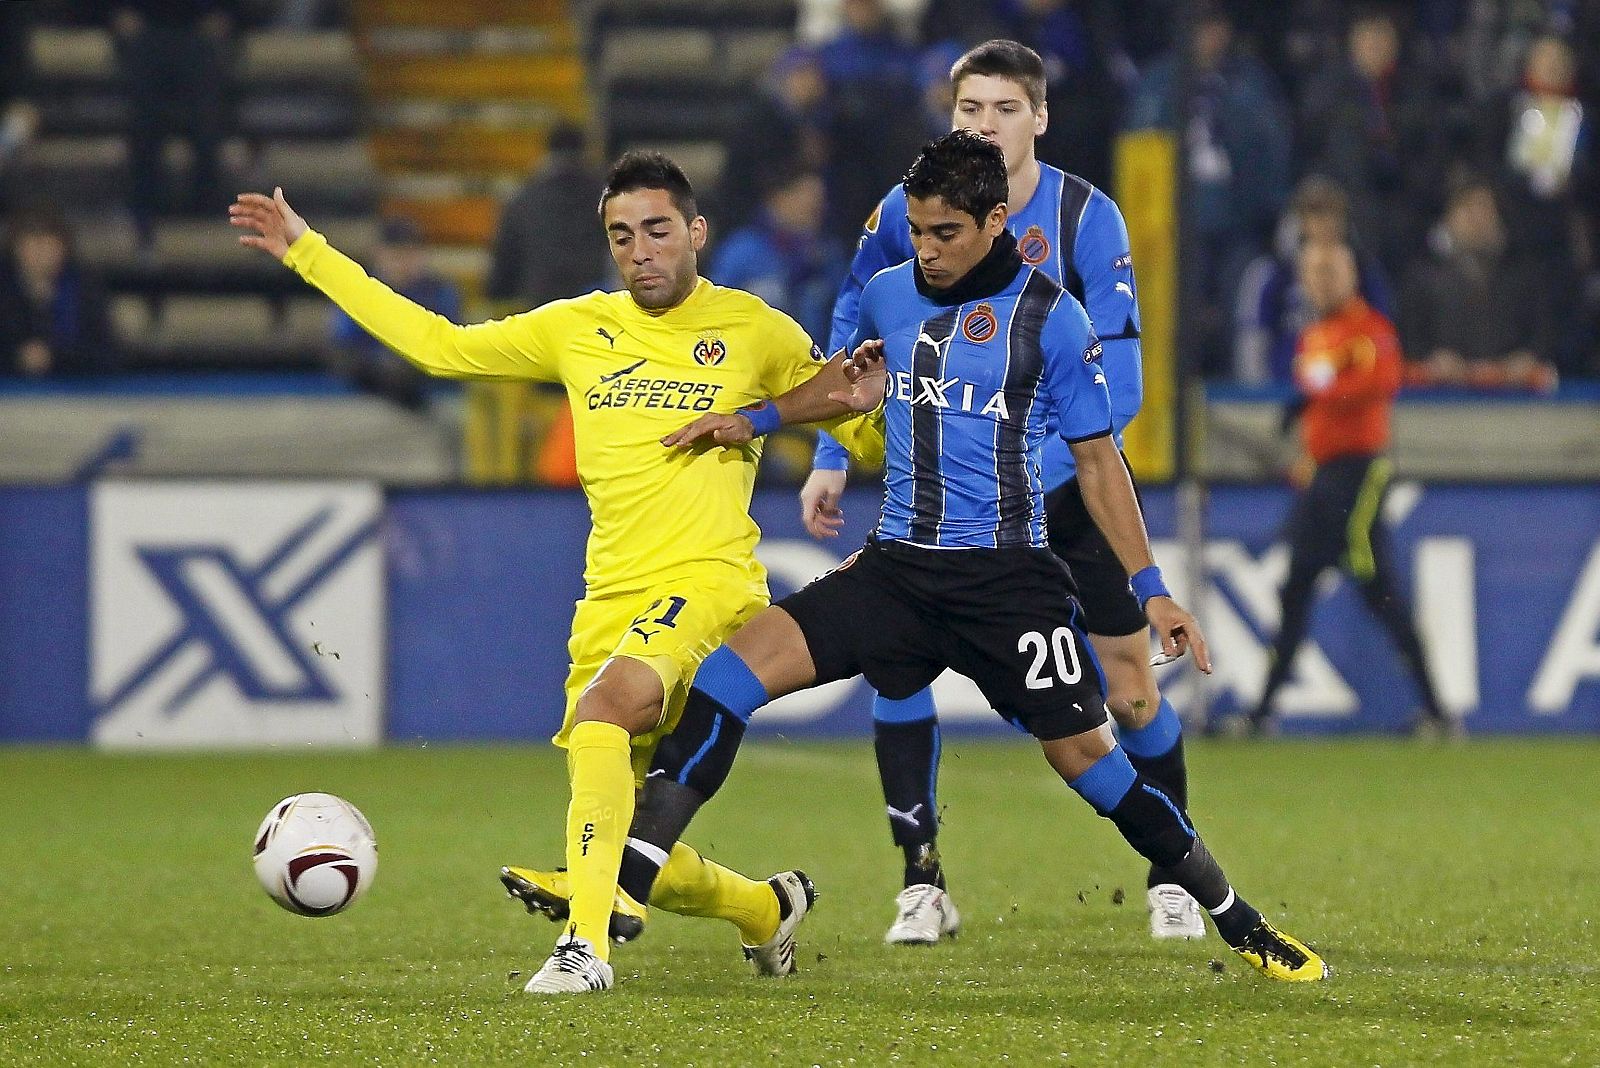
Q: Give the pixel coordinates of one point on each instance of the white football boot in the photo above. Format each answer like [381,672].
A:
[1173,913]
[926,914]
[573,968]
[796,895]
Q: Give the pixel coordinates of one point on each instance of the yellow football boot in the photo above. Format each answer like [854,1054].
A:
[1275,954]
[546,893]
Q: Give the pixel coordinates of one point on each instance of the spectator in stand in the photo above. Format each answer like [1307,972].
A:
[1347,366]
[1237,133]
[1542,143]
[783,256]
[1473,314]
[873,81]
[176,61]
[401,262]
[1377,126]
[783,128]
[544,247]
[1272,305]
[52,313]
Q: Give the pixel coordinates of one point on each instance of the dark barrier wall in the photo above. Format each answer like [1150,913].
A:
[241,613]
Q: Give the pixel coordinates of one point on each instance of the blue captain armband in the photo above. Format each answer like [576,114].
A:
[764,417]
[1147,583]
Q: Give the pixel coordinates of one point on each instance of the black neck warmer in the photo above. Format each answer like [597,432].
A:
[991,274]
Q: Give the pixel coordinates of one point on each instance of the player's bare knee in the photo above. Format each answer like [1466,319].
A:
[1134,707]
[773,646]
[1131,692]
[627,694]
[1076,754]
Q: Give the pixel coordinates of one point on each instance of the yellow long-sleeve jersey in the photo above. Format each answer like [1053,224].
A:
[632,376]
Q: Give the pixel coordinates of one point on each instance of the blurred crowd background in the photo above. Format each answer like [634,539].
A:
[457,150]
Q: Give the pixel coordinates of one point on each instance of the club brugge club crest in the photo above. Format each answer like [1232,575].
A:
[980,324]
[709,351]
[1034,246]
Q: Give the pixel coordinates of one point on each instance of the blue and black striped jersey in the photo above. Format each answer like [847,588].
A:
[974,391]
[1064,213]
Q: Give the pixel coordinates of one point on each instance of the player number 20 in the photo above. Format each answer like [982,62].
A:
[1069,669]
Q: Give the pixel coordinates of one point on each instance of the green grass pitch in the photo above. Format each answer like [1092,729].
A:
[1453,889]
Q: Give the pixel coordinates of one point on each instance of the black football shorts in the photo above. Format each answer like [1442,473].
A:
[1005,618]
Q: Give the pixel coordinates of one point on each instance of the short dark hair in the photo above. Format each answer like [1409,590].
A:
[650,170]
[1468,183]
[966,169]
[1317,194]
[1001,58]
[36,219]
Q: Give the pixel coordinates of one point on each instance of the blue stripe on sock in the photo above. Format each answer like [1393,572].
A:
[933,769]
[1165,800]
[711,740]
[917,707]
[1155,738]
[1107,781]
[727,679]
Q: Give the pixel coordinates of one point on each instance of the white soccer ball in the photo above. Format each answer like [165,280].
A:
[315,854]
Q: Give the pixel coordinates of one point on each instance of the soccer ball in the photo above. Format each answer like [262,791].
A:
[315,854]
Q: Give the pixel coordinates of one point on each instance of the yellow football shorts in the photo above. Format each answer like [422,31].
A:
[672,626]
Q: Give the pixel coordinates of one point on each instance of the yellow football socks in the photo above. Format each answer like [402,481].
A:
[601,774]
[691,885]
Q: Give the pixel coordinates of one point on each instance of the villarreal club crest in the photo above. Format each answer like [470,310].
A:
[710,351]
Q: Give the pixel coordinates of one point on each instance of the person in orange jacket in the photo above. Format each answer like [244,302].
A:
[1348,369]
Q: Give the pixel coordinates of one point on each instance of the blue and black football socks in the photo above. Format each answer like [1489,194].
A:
[1156,753]
[906,741]
[1158,829]
[691,763]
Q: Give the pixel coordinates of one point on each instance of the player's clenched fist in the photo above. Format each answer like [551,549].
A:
[272,223]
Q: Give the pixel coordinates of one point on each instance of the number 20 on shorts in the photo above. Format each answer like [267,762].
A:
[1062,648]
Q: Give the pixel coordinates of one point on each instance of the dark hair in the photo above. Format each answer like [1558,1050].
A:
[35,219]
[1467,183]
[401,231]
[1371,11]
[1004,59]
[967,170]
[566,136]
[1317,194]
[650,170]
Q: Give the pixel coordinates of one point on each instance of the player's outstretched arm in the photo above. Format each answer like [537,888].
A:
[507,348]
[844,385]
[1108,494]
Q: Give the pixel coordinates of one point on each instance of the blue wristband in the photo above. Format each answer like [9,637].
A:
[1147,584]
[764,417]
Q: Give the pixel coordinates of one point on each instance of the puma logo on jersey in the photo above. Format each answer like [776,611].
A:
[612,341]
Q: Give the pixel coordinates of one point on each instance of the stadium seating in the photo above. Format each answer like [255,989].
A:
[685,67]
[192,296]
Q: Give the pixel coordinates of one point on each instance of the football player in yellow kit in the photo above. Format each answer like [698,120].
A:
[671,570]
